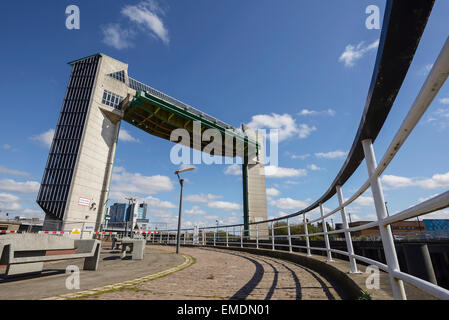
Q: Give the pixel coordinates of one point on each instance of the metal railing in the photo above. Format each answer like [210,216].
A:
[139,86]
[266,234]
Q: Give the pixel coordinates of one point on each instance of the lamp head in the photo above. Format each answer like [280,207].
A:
[184,170]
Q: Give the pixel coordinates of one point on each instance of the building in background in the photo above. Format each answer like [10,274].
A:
[400,227]
[142,222]
[436,224]
[119,214]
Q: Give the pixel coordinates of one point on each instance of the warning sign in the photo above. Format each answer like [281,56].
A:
[76,231]
[84,202]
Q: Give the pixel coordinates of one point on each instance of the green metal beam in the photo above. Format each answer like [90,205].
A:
[143,100]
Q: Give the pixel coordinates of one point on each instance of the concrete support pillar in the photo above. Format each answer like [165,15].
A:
[254,185]
[419,263]
[385,230]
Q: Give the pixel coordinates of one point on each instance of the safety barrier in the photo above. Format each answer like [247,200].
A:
[393,60]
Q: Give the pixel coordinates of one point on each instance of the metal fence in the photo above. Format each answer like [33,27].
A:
[267,234]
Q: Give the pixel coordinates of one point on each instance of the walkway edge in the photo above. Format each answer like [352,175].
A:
[350,289]
[188,261]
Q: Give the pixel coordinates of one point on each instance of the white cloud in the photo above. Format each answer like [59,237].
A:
[314,167]
[426,69]
[224,205]
[353,53]
[273,192]
[45,138]
[125,136]
[6,147]
[134,183]
[444,100]
[396,181]
[157,203]
[305,130]
[440,214]
[437,181]
[284,123]
[5,170]
[19,187]
[290,204]
[147,14]
[33,212]
[279,172]
[364,201]
[201,197]
[234,169]
[331,155]
[301,156]
[9,202]
[195,211]
[307,112]
[116,36]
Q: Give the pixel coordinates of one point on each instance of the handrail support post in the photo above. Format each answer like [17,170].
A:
[385,230]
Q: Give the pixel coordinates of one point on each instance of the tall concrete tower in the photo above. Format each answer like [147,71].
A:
[76,179]
[254,188]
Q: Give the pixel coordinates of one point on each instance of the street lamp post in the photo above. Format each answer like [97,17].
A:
[132,202]
[181,182]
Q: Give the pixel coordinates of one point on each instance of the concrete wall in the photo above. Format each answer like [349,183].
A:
[91,177]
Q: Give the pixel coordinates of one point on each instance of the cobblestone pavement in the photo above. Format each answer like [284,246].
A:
[223,274]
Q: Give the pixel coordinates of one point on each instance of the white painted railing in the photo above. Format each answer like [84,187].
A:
[235,235]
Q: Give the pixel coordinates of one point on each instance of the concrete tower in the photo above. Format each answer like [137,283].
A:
[75,184]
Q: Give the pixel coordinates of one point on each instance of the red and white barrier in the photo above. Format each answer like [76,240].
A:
[8,231]
[145,232]
[54,232]
[106,233]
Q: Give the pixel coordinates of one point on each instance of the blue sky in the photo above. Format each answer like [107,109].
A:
[301,66]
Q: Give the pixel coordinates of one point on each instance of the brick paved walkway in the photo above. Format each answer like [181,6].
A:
[222,274]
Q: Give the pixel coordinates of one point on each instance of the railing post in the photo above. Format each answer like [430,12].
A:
[185,232]
[241,236]
[289,236]
[227,242]
[214,237]
[349,246]
[385,230]
[326,236]
[307,234]
[152,237]
[272,235]
[257,236]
